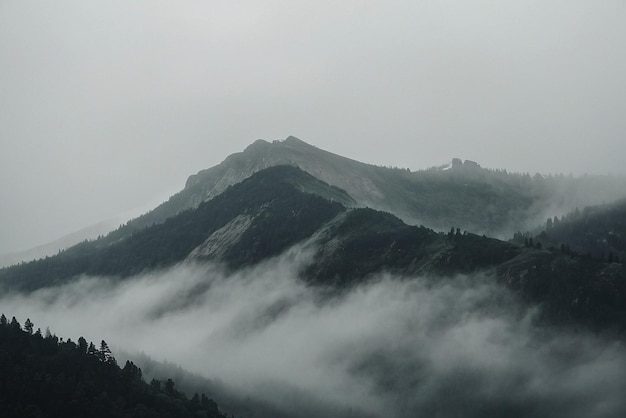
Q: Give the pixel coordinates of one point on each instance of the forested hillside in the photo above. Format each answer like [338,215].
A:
[277,202]
[595,231]
[44,376]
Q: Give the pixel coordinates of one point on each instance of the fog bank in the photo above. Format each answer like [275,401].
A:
[394,347]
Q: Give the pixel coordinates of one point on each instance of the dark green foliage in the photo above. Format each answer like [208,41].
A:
[28,326]
[366,241]
[571,288]
[283,215]
[599,231]
[82,345]
[469,252]
[42,377]
[283,222]
[580,279]
[284,205]
[239,404]
[475,198]
[14,325]
[497,202]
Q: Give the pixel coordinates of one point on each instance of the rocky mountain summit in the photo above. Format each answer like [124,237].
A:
[465,195]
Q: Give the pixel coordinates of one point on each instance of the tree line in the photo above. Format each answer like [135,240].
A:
[41,375]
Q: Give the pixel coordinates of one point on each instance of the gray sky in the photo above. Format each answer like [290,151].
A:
[108,106]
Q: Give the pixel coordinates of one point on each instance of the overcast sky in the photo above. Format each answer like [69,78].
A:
[107,106]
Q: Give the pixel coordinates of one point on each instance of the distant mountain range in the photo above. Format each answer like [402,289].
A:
[461,194]
[556,242]
[281,206]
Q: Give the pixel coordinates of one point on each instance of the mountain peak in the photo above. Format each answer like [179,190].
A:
[258,144]
[292,138]
[458,164]
[290,142]
[293,143]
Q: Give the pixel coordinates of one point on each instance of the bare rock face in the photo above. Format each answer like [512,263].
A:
[358,179]
[216,245]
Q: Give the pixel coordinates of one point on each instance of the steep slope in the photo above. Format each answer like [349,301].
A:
[462,195]
[44,377]
[364,183]
[261,217]
[572,289]
[596,231]
[282,206]
[364,241]
[271,211]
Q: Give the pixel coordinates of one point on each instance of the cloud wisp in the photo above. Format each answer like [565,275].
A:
[394,347]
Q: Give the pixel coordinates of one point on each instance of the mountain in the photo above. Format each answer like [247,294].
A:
[255,219]
[498,203]
[362,242]
[364,183]
[462,194]
[279,207]
[261,217]
[308,303]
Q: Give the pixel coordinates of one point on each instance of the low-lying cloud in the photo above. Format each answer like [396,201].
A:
[393,347]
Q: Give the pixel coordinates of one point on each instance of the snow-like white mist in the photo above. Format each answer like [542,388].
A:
[393,347]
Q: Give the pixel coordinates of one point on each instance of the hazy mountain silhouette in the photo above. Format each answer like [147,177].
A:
[281,206]
[51,248]
[261,217]
[462,194]
[309,226]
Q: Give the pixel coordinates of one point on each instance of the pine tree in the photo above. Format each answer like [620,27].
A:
[14,324]
[28,326]
[155,383]
[169,387]
[82,345]
[195,401]
[104,352]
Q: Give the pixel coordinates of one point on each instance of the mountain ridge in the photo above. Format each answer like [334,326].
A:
[460,194]
[282,206]
[285,232]
[270,197]
[483,201]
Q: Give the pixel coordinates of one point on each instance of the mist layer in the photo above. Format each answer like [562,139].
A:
[393,347]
